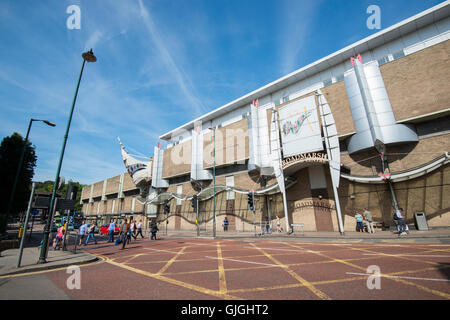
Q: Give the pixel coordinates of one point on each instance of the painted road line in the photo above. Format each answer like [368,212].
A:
[313,289]
[163,250]
[201,244]
[432,291]
[251,262]
[169,263]
[221,269]
[404,255]
[303,251]
[399,277]
[175,282]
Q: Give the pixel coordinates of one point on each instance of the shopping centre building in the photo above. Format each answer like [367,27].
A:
[365,127]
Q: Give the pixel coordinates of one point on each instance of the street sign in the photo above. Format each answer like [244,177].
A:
[34,212]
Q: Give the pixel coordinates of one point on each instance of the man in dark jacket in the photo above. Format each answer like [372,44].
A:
[154,231]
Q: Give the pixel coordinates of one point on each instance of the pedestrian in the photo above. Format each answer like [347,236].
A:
[124,231]
[59,237]
[111,229]
[132,229]
[267,227]
[400,222]
[82,232]
[91,232]
[359,222]
[279,228]
[139,230]
[154,231]
[225,224]
[368,221]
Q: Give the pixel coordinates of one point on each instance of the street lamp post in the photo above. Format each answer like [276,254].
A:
[19,167]
[89,57]
[214,182]
[25,225]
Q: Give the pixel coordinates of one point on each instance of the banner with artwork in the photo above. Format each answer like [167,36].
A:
[300,127]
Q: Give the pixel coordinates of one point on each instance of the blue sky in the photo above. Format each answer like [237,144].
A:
[161,63]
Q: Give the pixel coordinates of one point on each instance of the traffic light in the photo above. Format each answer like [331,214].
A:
[166,207]
[251,201]
[194,202]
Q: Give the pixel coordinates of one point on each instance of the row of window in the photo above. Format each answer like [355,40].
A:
[439,125]
[381,61]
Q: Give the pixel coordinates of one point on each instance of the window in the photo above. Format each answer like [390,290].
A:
[398,54]
[439,125]
[327,82]
[383,60]
[340,77]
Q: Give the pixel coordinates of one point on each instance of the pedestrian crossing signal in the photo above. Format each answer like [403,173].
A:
[166,207]
[194,202]
[251,201]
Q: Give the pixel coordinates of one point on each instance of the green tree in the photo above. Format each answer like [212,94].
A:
[10,150]
[47,186]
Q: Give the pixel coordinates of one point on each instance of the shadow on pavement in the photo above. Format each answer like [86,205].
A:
[444,268]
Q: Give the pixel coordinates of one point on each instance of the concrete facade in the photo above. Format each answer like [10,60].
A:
[415,67]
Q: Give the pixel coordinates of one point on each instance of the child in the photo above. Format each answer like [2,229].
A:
[359,222]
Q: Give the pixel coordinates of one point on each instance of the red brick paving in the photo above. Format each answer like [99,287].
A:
[192,274]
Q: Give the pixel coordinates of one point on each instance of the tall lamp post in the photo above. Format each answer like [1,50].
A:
[214,182]
[89,57]
[19,167]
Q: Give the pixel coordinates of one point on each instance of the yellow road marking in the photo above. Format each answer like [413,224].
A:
[169,263]
[308,285]
[134,257]
[175,282]
[435,292]
[222,280]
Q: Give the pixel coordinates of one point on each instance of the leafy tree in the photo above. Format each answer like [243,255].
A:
[10,151]
[47,186]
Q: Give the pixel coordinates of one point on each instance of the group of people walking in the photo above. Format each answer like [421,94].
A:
[127,231]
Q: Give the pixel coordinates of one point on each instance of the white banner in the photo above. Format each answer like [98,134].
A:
[300,127]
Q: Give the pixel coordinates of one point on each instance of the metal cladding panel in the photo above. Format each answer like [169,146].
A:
[356,103]
[276,152]
[300,129]
[263,138]
[331,139]
[197,171]
[399,133]
[253,138]
[158,181]
[360,141]
[259,141]
[369,99]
